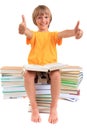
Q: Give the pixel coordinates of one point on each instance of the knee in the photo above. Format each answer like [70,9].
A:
[55,75]
[29,75]
[25,74]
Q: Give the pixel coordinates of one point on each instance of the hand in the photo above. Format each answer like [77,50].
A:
[22,26]
[78,32]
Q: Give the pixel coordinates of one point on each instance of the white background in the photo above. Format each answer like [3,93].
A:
[14,51]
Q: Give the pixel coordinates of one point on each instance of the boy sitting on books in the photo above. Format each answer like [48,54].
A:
[43,51]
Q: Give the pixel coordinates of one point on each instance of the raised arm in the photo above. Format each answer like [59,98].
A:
[23,28]
[70,33]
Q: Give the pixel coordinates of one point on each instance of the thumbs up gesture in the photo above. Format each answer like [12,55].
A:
[78,32]
[22,26]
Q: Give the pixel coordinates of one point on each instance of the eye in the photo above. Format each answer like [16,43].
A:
[46,17]
[39,17]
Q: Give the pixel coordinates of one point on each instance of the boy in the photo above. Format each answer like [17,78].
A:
[43,51]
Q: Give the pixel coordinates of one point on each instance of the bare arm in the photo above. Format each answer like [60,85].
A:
[70,33]
[23,29]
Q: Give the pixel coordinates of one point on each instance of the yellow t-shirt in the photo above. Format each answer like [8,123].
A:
[43,47]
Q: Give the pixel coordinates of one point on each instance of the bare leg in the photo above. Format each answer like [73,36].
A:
[55,91]
[30,90]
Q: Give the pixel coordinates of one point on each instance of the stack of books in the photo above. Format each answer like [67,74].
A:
[12,82]
[43,97]
[71,77]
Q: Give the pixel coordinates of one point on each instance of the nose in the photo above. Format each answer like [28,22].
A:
[43,19]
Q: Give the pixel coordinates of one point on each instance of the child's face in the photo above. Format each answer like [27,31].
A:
[43,22]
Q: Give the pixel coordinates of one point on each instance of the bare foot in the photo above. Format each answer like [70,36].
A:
[53,117]
[35,116]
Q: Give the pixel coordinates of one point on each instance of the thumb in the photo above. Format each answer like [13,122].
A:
[23,19]
[77,26]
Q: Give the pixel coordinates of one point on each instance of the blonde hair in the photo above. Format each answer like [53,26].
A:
[41,10]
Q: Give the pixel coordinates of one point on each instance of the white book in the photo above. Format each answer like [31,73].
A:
[44,68]
[70,97]
[42,86]
[14,95]
[13,89]
[44,91]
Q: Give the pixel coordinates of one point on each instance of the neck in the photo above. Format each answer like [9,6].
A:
[42,30]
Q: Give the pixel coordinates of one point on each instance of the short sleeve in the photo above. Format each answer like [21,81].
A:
[57,40]
[30,41]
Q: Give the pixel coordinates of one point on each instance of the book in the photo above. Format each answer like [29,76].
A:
[44,68]
[42,109]
[12,95]
[10,78]
[42,86]
[43,99]
[44,91]
[12,83]
[13,89]
[69,97]
[43,104]
[72,68]
[11,69]
[76,92]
